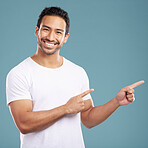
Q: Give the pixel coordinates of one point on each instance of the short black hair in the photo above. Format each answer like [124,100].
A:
[55,11]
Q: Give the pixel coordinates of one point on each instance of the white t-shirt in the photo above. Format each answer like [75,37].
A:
[49,88]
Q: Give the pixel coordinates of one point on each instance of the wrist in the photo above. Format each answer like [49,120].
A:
[116,102]
[67,110]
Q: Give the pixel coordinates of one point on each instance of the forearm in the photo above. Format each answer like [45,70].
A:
[39,120]
[100,113]
[30,121]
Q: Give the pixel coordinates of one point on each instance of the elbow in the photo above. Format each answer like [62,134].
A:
[24,131]
[91,125]
[23,128]
[88,126]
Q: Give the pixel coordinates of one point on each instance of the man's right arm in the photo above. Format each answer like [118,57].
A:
[28,120]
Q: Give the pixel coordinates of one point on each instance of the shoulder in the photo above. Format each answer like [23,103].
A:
[19,70]
[71,65]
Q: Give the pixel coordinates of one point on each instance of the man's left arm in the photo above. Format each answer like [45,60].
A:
[93,116]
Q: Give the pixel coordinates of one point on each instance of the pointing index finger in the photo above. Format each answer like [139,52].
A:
[86,92]
[136,84]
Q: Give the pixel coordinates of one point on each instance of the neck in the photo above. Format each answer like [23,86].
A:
[49,61]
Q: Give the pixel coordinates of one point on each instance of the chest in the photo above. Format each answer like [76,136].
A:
[52,89]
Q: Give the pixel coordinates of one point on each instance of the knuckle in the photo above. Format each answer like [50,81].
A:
[82,107]
[122,89]
[80,100]
[82,104]
[130,99]
[129,88]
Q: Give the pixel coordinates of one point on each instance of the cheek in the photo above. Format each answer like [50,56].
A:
[42,34]
[61,39]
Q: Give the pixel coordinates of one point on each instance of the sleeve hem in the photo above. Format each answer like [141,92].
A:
[16,99]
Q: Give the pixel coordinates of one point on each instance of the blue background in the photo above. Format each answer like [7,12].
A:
[109,39]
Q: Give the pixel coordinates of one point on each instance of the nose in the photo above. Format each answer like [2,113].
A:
[51,36]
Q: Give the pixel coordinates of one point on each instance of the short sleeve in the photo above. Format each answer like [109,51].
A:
[85,85]
[17,86]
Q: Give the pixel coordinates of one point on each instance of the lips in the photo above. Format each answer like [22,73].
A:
[48,43]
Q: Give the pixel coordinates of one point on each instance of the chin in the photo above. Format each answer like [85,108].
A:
[47,52]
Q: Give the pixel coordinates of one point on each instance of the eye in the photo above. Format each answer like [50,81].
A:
[45,29]
[58,32]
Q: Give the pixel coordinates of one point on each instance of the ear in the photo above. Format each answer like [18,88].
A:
[66,38]
[36,31]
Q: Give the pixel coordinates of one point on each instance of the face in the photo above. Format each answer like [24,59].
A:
[51,34]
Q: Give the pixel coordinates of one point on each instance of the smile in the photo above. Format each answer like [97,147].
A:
[49,44]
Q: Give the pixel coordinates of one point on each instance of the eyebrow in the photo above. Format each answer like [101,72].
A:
[56,29]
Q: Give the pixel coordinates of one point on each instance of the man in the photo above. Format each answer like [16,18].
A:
[49,96]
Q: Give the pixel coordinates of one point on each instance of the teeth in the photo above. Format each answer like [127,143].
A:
[49,44]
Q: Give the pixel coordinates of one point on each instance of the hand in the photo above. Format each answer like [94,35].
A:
[76,104]
[125,96]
